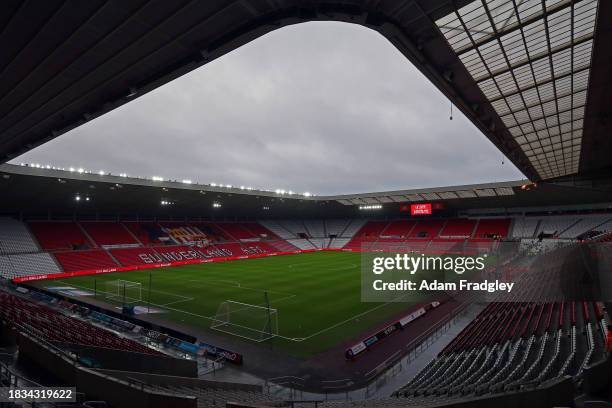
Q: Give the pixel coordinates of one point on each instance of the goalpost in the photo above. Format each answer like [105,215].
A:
[123,291]
[253,322]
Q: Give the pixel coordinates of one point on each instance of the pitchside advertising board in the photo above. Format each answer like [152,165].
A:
[400,324]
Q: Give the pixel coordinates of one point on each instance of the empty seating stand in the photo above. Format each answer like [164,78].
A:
[146,232]
[15,237]
[56,327]
[109,233]
[236,231]
[82,260]
[458,228]
[489,227]
[511,344]
[59,235]
[17,265]
[525,227]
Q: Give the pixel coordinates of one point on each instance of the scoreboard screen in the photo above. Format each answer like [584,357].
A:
[420,209]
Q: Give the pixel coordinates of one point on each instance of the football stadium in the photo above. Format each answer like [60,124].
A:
[122,291]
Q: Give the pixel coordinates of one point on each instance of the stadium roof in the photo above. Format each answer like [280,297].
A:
[532,61]
[38,191]
[532,75]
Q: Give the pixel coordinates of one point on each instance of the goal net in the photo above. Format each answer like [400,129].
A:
[253,322]
[123,291]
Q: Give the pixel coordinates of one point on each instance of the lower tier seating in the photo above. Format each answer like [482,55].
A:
[509,345]
[56,327]
[12,266]
[80,260]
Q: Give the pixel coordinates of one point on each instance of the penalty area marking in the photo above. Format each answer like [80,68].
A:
[181,300]
[238,285]
[293,339]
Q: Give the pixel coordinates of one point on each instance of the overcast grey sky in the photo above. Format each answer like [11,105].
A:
[322,107]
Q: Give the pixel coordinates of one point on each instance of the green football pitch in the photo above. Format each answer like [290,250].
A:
[314,298]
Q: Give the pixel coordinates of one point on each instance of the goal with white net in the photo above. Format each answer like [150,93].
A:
[253,322]
[122,291]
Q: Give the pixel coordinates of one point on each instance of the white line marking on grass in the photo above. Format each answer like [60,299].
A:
[181,300]
[349,319]
[178,301]
[289,296]
[211,318]
[215,282]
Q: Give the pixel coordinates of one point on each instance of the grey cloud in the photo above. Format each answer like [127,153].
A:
[322,107]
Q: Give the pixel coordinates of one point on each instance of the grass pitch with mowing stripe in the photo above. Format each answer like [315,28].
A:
[317,295]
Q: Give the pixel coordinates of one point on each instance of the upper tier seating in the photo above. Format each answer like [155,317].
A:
[146,232]
[560,226]
[278,229]
[236,231]
[605,227]
[488,227]
[82,260]
[336,227]
[586,223]
[427,229]
[370,231]
[294,228]
[56,327]
[259,230]
[18,265]
[398,229]
[458,228]
[315,228]
[15,237]
[353,227]
[524,227]
[59,235]
[109,233]
[555,225]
